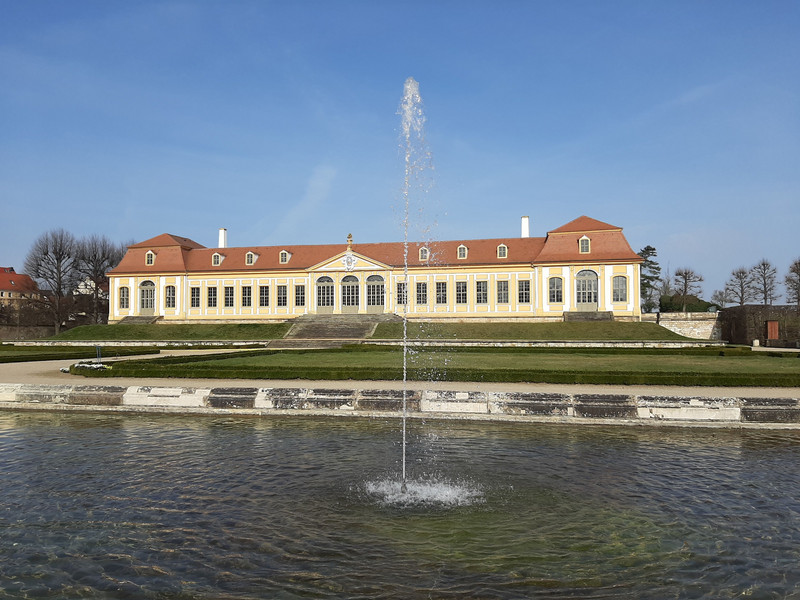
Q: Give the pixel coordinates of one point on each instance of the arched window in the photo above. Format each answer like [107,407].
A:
[424,254]
[584,245]
[325,292]
[216,259]
[462,252]
[147,297]
[375,291]
[284,257]
[620,289]
[556,289]
[150,258]
[586,289]
[249,259]
[350,292]
[502,251]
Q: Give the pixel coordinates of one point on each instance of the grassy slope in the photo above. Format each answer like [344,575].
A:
[177,332]
[528,331]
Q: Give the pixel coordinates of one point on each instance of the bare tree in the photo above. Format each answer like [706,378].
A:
[720,297]
[739,287]
[792,283]
[687,283]
[764,278]
[97,255]
[51,263]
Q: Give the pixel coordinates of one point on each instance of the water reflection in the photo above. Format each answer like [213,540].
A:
[112,506]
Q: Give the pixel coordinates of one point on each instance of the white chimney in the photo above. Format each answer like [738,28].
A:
[526,227]
[223,237]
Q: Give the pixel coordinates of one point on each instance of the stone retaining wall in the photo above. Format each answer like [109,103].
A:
[526,406]
[698,325]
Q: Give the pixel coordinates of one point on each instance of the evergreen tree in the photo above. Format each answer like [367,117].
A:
[650,275]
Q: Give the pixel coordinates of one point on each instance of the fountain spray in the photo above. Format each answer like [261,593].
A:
[416,158]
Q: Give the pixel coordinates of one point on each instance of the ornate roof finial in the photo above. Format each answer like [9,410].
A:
[349,240]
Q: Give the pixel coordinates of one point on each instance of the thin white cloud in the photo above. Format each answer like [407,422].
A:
[317,193]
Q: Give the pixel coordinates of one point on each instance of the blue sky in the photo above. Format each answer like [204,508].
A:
[678,121]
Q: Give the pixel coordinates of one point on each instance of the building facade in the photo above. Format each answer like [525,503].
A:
[585,265]
[15,288]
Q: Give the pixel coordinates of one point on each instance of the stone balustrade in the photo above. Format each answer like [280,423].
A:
[525,406]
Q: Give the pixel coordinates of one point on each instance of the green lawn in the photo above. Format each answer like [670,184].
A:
[177,332]
[695,367]
[605,330]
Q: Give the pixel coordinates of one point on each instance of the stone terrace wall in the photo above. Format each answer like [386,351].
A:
[699,325]
[11,332]
[524,406]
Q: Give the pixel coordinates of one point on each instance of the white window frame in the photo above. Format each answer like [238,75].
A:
[284,257]
[424,254]
[584,245]
[502,251]
[150,258]
[462,252]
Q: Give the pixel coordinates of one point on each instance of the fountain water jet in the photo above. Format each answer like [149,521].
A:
[413,145]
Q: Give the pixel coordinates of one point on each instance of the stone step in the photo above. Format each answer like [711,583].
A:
[581,316]
[350,327]
[139,320]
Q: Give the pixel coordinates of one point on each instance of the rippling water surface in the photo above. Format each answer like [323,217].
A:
[101,506]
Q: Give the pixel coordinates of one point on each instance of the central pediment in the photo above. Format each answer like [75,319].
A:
[348,261]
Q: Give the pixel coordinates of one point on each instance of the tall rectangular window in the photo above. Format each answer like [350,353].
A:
[283,299]
[124,297]
[194,296]
[422,292]
[247,296]
[402,295]
[441,292]
[212,297]
[481,292]
[620,289]
[169,296]
[524,291]
[502,292]
[461,292]
[263,295]
[228,296]
[299,295]
[556,289]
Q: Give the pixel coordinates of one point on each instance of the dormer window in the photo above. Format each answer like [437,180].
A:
[462,252]
[149,258]
[216,259]
[502,251]
[284,257]
[250,259]
[584,245]
[424,254]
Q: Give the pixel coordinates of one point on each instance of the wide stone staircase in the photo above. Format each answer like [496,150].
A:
[576,315]
[330,331]
[139,320]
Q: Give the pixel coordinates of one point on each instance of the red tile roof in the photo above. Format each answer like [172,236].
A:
[10,281]
[175,254]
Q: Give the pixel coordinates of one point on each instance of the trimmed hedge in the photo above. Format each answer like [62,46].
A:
[199,367]
[64,352]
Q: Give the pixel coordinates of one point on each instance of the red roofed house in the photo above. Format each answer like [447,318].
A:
[15,287]
[583,266]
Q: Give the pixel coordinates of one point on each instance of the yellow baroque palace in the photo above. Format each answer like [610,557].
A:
[585,265]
